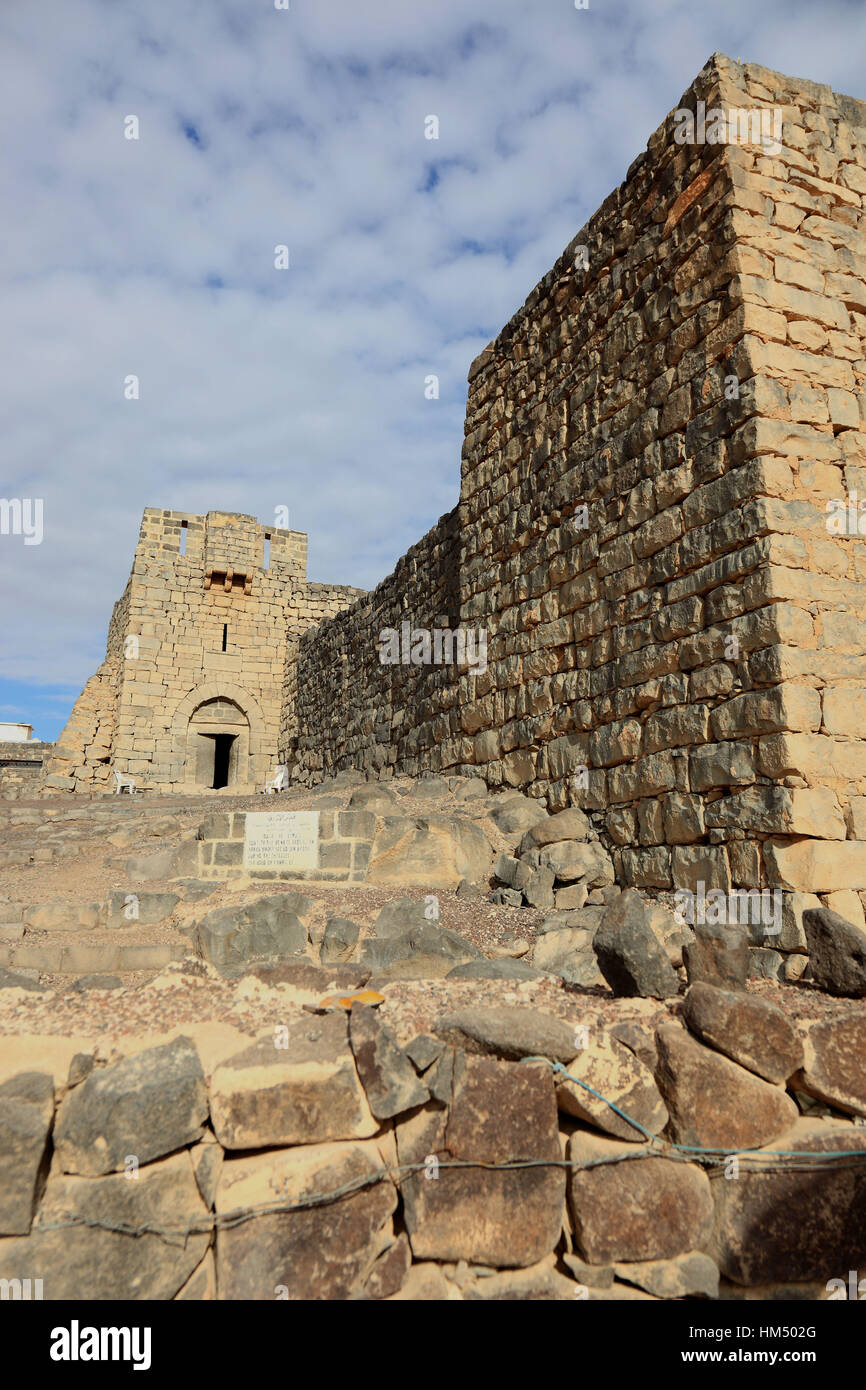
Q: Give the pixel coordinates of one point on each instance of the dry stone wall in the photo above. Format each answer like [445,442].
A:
[658,449]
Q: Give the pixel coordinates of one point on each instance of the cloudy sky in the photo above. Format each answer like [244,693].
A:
[301,387]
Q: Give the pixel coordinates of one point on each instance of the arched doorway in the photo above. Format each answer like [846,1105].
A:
[217,744]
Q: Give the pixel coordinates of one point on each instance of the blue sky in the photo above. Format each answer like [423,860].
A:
[303,387]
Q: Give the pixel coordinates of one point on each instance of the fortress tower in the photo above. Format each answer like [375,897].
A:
[189,695]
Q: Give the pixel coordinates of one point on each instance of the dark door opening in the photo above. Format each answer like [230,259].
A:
[222,747]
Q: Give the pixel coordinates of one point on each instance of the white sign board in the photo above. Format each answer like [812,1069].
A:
[281,840]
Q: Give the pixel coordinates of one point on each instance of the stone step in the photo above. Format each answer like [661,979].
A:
[53,958]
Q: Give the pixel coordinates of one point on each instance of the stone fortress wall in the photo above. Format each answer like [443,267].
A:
[195,658]
[675,630]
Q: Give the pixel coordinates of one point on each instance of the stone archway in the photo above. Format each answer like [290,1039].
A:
[218,735]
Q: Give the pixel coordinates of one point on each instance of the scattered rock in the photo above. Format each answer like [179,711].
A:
[324,1251]
[340,939]
[686,1276]
[649,1208]
[628,954]
[510,1033]
[504,969]
[718,955]
[269,926]
[833,1067]
[837,953]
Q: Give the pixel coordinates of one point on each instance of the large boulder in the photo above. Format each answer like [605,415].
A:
[424,952]
[837,953]
[499,1112]
[269,926]
[571,824]
[146,1105]
[26,1115]
[747,1029]
[628,953]
[713,1102]
[324,1250]
[437,851]
[570,860]
[300,1087]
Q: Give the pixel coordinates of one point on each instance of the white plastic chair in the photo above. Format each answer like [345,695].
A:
[121,780]
[280,782]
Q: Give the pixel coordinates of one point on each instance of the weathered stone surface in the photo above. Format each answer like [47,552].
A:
[718,955]
[783,1225]
[438,851]
[268,926]
[200,1287]
[428,951]
[834,1066]
[509,1033]
[685,1276]
[504,969]
[513,815]
[539,1283]
[499,1112]
[570,824]
[749,1030]
[646,1209]
[425,1283]
[714,1103]
[388,1077]
[568,953]
[618,1075]
[304,1091]
[16,979]
[303,974]
[142,909]
[837,953]
[26,1116]
[571,860]
[323,1251]
[815,866]
[400,914]
[72,1242]
[628,954]
[340,939]
[423,1050]
[147,1105]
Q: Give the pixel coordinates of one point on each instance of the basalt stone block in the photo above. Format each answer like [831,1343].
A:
[322,1250]
[648,1208]
[148,1105]
[71,1239]
[747,1029]
[834,1067]
[270,926]
[784,1224]
[298,1088]
[713,1102]
[386,1073]
[340,939]
[26,1116]
[629,956]
[509,1033]
[718,955]
[837,953]
[612,1071]
[499,1112]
